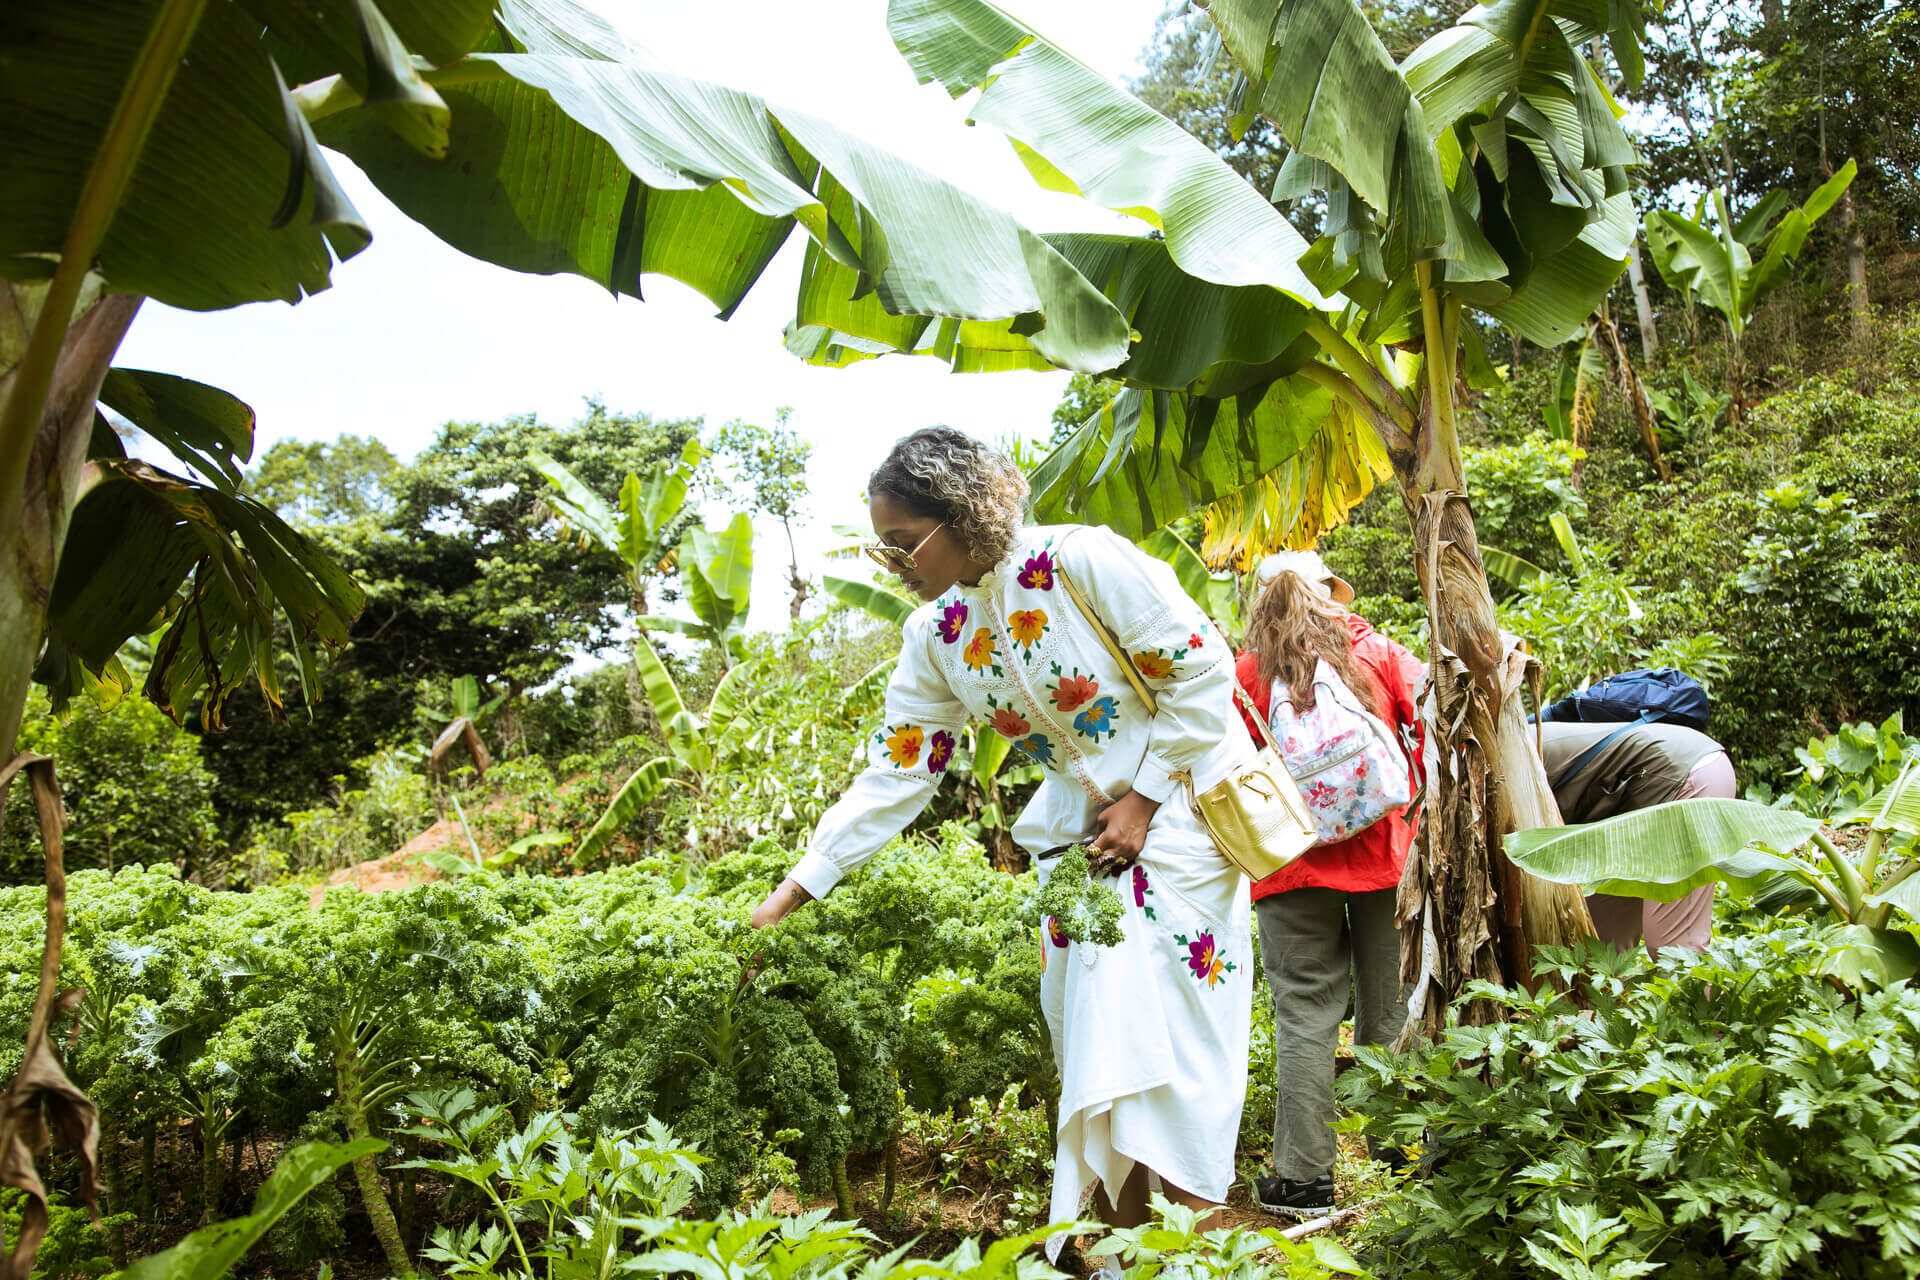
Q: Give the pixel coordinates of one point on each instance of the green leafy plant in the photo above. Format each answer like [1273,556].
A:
[1666,851]
[1083,908]
[1729,1114]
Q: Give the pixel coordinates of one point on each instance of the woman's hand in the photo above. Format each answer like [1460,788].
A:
[1120,833]
[778,903]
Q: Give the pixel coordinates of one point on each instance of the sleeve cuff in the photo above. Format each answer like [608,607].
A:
[816,874]
[1155,781]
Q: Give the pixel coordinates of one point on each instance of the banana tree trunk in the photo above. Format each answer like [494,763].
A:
[1642,304]
[1858,304]
[1636,396]
[33,521]
[1466,912]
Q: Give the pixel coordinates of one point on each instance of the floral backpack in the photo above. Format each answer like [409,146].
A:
[1349,768]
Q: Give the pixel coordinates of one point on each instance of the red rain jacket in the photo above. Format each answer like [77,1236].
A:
[1374,858]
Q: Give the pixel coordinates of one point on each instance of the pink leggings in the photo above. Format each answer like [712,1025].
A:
[1686,923]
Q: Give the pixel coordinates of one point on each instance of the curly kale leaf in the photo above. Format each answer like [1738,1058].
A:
[1079,906]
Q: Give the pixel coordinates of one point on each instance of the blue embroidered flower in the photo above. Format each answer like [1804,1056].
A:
[1097,719]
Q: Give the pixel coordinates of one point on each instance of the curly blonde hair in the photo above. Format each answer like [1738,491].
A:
[947,475]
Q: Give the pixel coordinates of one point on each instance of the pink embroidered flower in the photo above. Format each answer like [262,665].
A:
[1140,887]
[980,650]
[953,621]
[1009,724]
[1056,934]
[939,751]
[1037,574]
[1074,692]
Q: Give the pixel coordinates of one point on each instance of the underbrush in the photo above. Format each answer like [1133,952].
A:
[1729,1115]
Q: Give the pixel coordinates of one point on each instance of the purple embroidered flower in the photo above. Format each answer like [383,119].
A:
[1204,959]
[1140,886]
[1037,574]
[953,621]
[1056,934]
[939,751]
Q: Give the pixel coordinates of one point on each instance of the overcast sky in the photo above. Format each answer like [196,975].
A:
[414,333]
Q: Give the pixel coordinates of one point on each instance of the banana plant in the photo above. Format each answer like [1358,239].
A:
[1730,264]
[1480,182]
[716,570]
[1667,851]
[641,529]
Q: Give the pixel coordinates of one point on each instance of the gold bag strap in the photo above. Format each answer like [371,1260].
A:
[1119,655]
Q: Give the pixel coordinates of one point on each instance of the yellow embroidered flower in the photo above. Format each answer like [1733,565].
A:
[903,748]
[1027,625]
[980,650]
[1153,665]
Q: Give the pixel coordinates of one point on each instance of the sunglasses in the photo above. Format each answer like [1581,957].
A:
[893,559]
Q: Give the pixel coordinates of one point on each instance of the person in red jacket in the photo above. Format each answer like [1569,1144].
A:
[1326,919]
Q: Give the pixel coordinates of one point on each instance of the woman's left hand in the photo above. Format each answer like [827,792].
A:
[1120,833]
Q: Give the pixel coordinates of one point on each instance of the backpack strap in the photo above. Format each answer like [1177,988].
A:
[1592,753]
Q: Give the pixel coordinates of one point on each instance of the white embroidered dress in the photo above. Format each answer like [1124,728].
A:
[1151,1035]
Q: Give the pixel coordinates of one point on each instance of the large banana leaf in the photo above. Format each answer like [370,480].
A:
[577,505]
[208,429]
[888,606]
[635,794]
[611,169]
[1277,469]
[1667,851]
[231,201]
[137,532]
[1078,132]
[1490,152]
[685,736]
[718,571]
[649,506]
[212,1251]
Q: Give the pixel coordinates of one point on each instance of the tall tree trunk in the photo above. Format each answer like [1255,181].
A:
[1464,910]
[1858,303]
[1635,393]
[33,522]
[1642,304]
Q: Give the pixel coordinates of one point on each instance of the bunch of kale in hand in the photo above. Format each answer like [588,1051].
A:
[1082,907]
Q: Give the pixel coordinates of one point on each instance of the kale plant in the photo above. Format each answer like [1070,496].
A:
[1076,905]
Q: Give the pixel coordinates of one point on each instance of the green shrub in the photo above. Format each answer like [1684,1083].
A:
[1726,1115]
[1516,487]
[135,789]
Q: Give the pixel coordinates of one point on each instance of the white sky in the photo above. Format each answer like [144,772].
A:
[414,333]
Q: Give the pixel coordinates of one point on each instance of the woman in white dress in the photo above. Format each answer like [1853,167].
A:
[1150,1035]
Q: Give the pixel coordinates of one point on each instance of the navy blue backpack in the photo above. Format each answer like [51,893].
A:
[1628,699]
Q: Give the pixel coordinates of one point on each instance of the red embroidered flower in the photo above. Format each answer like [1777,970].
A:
[1075,691]
[1195,641]
[939,751]
[1321,794]
[1037,574]
[1008,724]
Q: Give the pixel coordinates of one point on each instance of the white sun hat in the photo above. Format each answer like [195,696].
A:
[1308,565]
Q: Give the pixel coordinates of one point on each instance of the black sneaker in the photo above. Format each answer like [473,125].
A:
[1312,1198]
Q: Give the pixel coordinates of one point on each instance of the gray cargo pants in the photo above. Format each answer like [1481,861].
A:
[1319,946]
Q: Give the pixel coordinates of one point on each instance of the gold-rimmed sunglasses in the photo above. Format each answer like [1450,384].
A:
[893,559]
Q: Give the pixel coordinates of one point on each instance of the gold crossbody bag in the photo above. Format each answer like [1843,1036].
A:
[1255,814]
